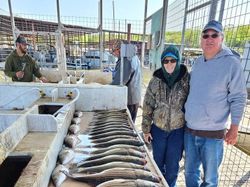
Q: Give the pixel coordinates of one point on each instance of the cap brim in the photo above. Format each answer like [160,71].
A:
[23,43]
[211,28]
[169,55]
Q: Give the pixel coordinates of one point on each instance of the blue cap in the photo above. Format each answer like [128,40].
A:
[169,54]
[214,25]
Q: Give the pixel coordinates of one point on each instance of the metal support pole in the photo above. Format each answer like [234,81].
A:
[144,33]
[12,23]
[222,6]
[184,28]
[129,33]
[58,16]
[100,34]
[113,3]
[163,25]
[213,8]
[61,55]
[122,55]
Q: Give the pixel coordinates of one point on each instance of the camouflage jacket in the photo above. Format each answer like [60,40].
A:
[15,63]
[164,106]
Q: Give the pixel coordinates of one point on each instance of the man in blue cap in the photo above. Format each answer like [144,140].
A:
[217,90]
[20,66]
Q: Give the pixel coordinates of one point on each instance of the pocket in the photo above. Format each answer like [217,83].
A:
[218,113]
[196,113]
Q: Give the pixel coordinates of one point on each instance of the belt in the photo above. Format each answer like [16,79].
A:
[219,134]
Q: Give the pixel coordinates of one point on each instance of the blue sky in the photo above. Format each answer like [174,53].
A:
[124,9]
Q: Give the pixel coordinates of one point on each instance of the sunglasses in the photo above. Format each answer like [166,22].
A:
[167,61]
[206,36]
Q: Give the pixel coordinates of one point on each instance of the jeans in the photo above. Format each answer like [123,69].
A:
[167,152]
[205,151]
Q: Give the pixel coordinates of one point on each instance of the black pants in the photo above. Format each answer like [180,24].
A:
[133,110]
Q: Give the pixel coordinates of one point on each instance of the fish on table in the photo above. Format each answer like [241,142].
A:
[66,155]
[114,173]
[71,141]
[59,174]
[74,129]
[112,133]
[112,158]
[94,150]
[102,167]
[108,138]
[129,183]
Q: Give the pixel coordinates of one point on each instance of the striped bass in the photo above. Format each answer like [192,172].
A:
[129,183]
[101,150]
[111,114]
[111,119]
[117,151]
[128,133]
[78,114]
[115,173]
[131,141]
[110,126]
[59,175]
[74,129]
[71,141]
[112,158]
[66,155]
[110,130]
[105,123]
[100,168]
[76,120]
[110,111]
[135,142]
[100,140]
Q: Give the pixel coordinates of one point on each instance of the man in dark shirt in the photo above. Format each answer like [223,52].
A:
[20,66]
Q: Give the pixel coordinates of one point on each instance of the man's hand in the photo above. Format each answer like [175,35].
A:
[147,137]
[231,135]
[19,74]
[43,79]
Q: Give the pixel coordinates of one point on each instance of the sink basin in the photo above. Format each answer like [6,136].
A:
[49,108]
[11,169]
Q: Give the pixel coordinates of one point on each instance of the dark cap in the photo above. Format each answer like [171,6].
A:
[171,51]
[21,39]
[214,25]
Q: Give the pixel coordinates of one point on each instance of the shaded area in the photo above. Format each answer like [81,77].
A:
[11,169]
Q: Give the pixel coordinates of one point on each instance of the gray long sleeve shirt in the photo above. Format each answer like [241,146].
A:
[131,78]
[217,89]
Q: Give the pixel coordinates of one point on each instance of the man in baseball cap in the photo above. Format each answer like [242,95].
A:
[20,66]
[21,40]
[217,91]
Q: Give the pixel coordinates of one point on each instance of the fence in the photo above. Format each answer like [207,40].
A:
[185,20]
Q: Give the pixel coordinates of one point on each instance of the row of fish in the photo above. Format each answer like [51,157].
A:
[108,153]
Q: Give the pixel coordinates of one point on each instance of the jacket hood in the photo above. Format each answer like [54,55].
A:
[171,49]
